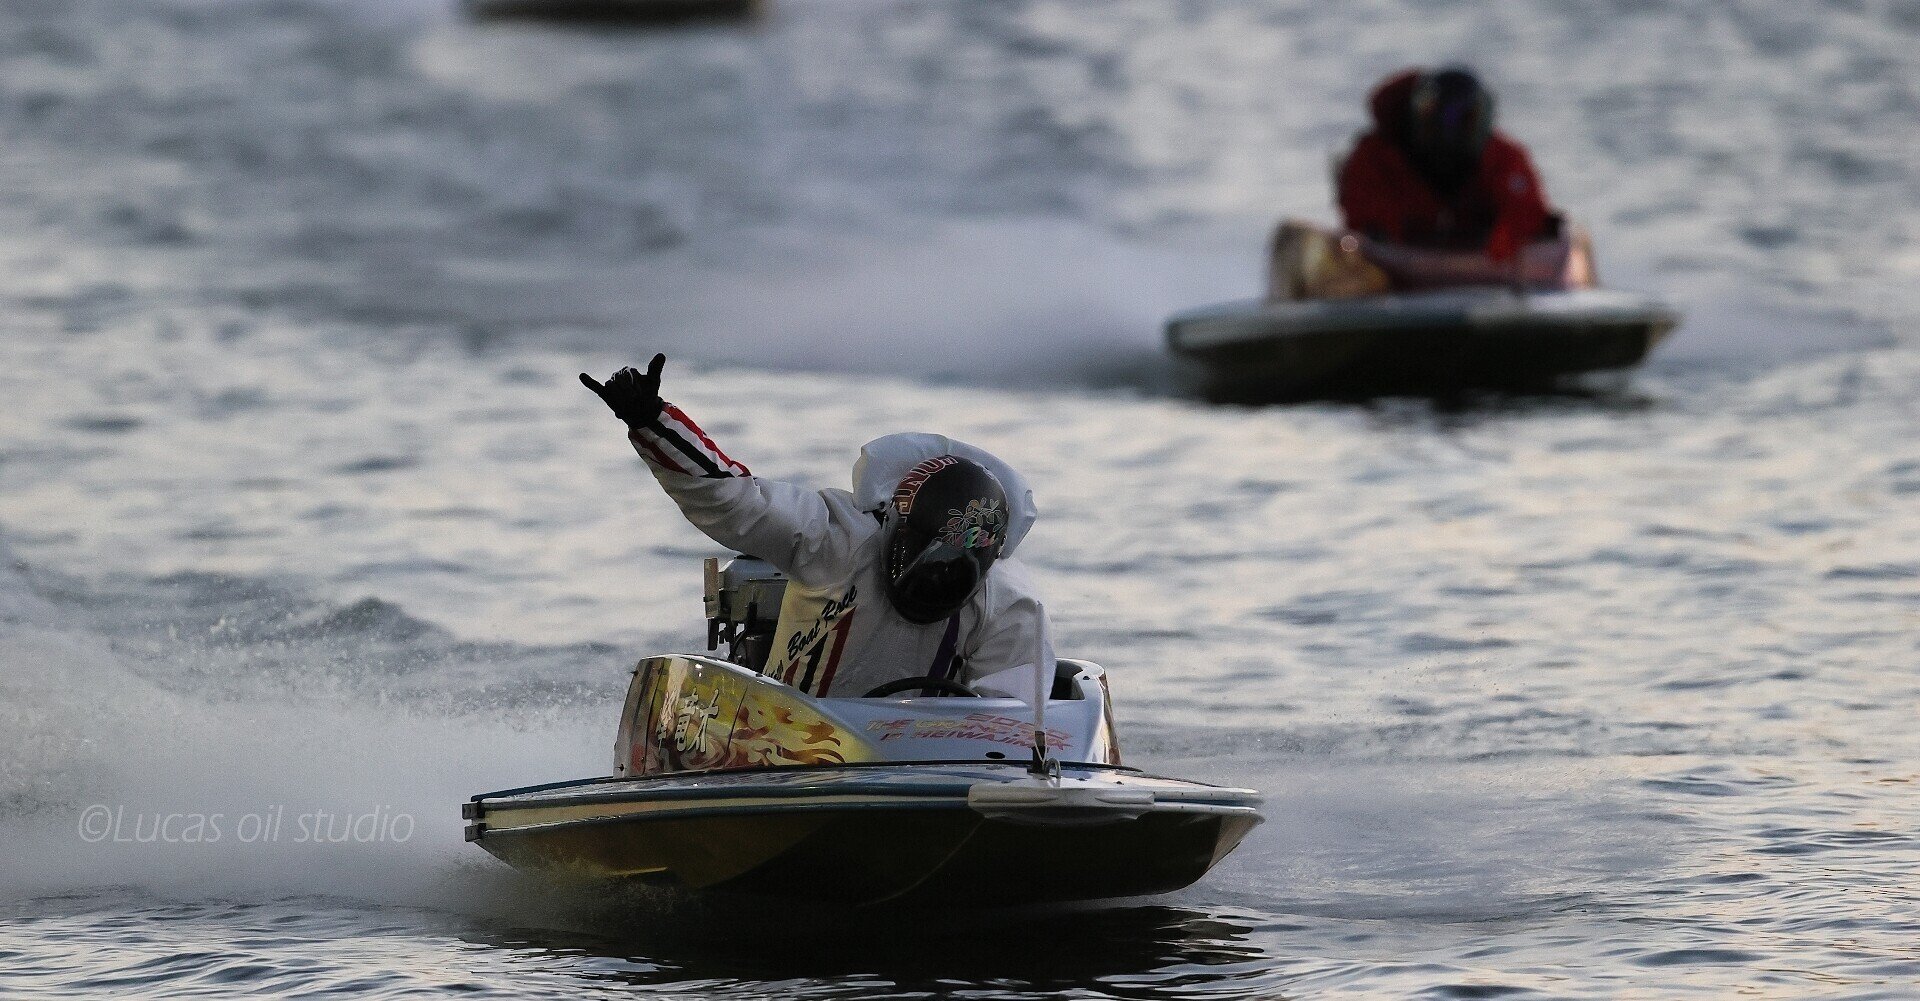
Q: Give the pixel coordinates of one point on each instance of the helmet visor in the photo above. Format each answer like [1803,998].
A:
[1453,117]
[1460,125]
[936,582]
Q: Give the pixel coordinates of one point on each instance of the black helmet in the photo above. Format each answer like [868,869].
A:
[1450,120]
[949,522]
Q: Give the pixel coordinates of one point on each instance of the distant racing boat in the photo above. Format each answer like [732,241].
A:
[1350,317]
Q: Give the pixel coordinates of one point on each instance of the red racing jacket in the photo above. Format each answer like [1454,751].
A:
[1501,208]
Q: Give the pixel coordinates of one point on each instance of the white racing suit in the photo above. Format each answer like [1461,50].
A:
[838,634]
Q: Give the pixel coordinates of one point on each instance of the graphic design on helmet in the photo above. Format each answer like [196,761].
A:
[982,525]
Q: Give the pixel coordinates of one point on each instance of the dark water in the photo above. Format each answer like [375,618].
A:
[1607,695]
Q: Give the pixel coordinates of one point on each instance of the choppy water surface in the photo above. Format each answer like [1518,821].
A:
[1595,696]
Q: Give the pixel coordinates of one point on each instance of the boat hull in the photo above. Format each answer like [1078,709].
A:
[1424,343]
[867,834]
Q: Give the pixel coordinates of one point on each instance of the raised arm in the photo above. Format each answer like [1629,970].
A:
[791,527]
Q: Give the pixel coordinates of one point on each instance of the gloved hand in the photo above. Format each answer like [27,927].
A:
[632,396]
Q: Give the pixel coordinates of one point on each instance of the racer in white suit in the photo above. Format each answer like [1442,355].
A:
[904,577]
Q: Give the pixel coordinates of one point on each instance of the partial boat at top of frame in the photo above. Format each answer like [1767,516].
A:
[633,13]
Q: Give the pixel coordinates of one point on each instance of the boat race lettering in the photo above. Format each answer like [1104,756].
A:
[973,726]
[813,656]
[829,612]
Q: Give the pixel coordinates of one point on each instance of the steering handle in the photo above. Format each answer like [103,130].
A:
[932,684]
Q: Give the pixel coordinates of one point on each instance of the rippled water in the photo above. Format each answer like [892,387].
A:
[1607,695]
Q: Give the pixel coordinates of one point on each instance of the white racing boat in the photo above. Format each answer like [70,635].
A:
[725,779]
[1348,317]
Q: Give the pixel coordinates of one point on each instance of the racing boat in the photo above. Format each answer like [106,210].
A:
[922,790]
[1347,317]
[613,12]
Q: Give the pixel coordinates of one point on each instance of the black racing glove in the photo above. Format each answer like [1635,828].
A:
[632,396]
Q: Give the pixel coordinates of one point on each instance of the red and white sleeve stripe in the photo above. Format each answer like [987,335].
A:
[675,443]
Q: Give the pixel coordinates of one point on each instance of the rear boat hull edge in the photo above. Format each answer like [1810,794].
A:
[1254,353]
[893,838]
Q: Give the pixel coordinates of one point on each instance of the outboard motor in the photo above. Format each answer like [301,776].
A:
[743,607]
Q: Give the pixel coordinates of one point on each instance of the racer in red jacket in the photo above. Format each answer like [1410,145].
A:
[1433,172]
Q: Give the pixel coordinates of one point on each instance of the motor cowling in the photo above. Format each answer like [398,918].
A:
[743,607]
